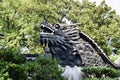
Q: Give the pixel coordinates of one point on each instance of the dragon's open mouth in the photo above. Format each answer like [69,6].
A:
[47,33]
[46,29]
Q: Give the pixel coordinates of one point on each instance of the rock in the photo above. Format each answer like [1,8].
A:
[73,73]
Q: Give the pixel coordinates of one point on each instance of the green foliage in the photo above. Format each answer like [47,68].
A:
[19,26]
[17,72]
[19,22]
[48,69]
[99,22]
[31,68]
[11,54]
[13,67]
[99,79]
[20,19]
[11,71]
[3,64]
[118,51]
[44,68]
[4,76]
[100,72]
[11,64]
[113,58]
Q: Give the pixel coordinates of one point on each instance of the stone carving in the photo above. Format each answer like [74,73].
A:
[58,44]
[72,47]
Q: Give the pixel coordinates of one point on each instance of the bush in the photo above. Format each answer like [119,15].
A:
[11,63]
[44,68]
[99,79]
[4,75]
[48,69]
[3,64]
[100,72]
[12,71]
[17,72]
[31,68]
[12,54]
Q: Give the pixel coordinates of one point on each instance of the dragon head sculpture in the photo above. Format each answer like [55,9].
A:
[72,47]
[58,44]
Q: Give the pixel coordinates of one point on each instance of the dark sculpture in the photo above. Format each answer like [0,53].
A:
[72,47]
[59,45]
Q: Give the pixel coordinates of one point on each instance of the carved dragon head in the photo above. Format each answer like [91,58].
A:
[51,36]
[72,47]
[58,44]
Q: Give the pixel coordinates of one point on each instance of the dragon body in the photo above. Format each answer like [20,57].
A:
[72,47]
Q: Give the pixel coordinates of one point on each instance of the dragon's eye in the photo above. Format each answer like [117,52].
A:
[57,26]
[41,26]
[46,29]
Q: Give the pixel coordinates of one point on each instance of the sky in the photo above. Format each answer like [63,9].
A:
[114,4]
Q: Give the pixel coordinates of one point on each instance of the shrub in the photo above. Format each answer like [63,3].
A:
[3,64]
[48,69]
[17,72]
[11,71]
[4,75]
[99,72]
[11,54]
[44,68]
[11,63]
[31,68]
[99,79]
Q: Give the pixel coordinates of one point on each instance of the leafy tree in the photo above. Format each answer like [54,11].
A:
[99,22]
[20,19]
[99,72]
[48,69]
[12,55]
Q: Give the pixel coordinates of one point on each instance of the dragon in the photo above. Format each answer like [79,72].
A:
[71,47]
